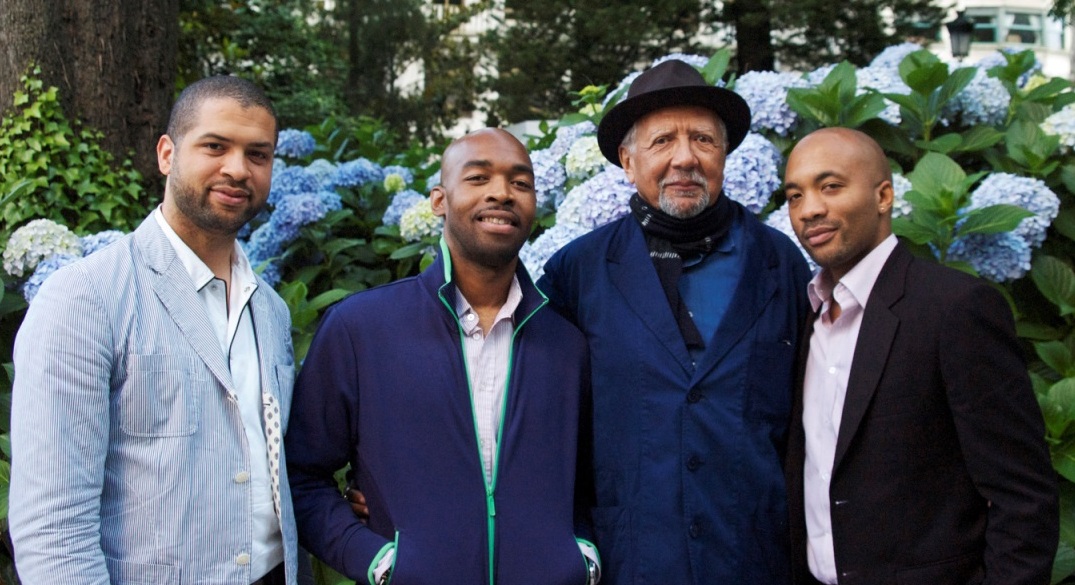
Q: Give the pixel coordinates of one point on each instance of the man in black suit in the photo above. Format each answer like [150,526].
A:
[916,452]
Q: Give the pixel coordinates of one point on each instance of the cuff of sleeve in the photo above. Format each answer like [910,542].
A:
[590,552]
[381,563]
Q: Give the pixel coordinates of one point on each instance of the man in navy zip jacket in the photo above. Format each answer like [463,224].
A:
[455,396]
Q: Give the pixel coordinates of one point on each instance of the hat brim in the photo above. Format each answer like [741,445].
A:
[728,105]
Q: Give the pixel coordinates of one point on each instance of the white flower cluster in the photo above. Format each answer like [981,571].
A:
[584,159]
[419,222]
[36,241]
[1062,124]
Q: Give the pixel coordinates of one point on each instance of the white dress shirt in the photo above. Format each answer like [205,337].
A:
[229,314]
[832,348]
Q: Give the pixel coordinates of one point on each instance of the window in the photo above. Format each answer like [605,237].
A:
[1001,25]
[1023,28]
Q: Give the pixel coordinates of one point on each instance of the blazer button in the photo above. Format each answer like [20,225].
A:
[695,530]
[694,396]
[694,463]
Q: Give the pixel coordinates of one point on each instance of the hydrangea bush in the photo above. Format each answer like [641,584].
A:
[983,156]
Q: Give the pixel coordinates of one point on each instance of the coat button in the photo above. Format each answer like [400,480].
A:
[695,530]
[694,462]
[694,396]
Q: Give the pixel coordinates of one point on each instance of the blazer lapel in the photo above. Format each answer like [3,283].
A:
[633,274]
[879,326]
[176,292]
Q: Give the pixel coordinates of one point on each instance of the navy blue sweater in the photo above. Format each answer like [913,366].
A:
[385,388]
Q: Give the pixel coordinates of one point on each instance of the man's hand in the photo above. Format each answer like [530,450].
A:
[357,501]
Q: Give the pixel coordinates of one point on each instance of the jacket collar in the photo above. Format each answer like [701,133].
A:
[437,280]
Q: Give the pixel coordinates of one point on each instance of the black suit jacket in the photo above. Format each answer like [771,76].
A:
[941,474]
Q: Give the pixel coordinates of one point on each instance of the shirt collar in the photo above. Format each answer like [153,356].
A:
[199,272]
[858,281]
[507,311]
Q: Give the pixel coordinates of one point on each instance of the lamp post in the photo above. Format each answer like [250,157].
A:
[960,32]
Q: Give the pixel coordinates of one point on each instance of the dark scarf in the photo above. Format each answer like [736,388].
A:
[670,239]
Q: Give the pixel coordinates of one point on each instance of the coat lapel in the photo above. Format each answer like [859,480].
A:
[879,326]
[752,294]
[634,276]
[176,292]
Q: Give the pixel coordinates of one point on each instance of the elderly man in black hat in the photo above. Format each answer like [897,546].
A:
[692,309]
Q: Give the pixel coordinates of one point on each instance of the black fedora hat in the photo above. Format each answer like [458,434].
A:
[672,83]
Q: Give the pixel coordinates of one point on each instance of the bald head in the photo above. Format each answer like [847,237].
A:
[456,155]
[839,189]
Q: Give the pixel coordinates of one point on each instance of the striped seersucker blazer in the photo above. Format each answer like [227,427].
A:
[128,446]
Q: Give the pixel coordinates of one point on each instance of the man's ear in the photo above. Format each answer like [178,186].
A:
[165,153]
[886,196]
[625,162]
[438,200]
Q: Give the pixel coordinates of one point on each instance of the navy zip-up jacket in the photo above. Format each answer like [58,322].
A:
[385,388]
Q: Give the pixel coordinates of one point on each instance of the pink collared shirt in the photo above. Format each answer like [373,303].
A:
[832,348]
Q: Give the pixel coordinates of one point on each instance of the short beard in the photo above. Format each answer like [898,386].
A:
[675,209]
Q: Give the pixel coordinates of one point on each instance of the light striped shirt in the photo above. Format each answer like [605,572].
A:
[487,358]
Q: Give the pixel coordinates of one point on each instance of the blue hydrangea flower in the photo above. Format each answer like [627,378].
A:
[278,166]
[549,179]
[324,171]
[406,173]
[1062,124]
[35,241]
[295,143]
[535,255]
[584,158]
[331,200]
[567,135]
[401,201]
[696,61]
[752,172]
[900,186]
[766,92]
[99,241]
[1026,192]
[292,181]
[884,80]
[818,75]
[358,172]
[271,273]
[433,180]
[45,269]
[983,101]
[781,222]
[998,257]
[996,59]
[419,222]
[598,200]
[893,55]
[295,211]
[265,243]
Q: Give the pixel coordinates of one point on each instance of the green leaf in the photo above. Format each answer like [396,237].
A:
[993,219]
[915,232]
[936,174]
[715,68]
[408,251]
[955,83]
[943,144]
[923,72]
[327,298]
[1057,356]
[980,138]
[1056,281]
[1059,407]
[1063,564]
[1065,223]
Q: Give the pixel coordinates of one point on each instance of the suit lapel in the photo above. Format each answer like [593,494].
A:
[176,292]
[879,326]
[634,276]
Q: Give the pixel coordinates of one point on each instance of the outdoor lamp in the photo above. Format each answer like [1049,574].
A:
[960,31]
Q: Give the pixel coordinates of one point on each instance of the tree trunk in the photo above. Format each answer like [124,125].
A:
[114,63]
[754,49]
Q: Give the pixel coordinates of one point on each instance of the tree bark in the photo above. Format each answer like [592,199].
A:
[113,62]
[754,49]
